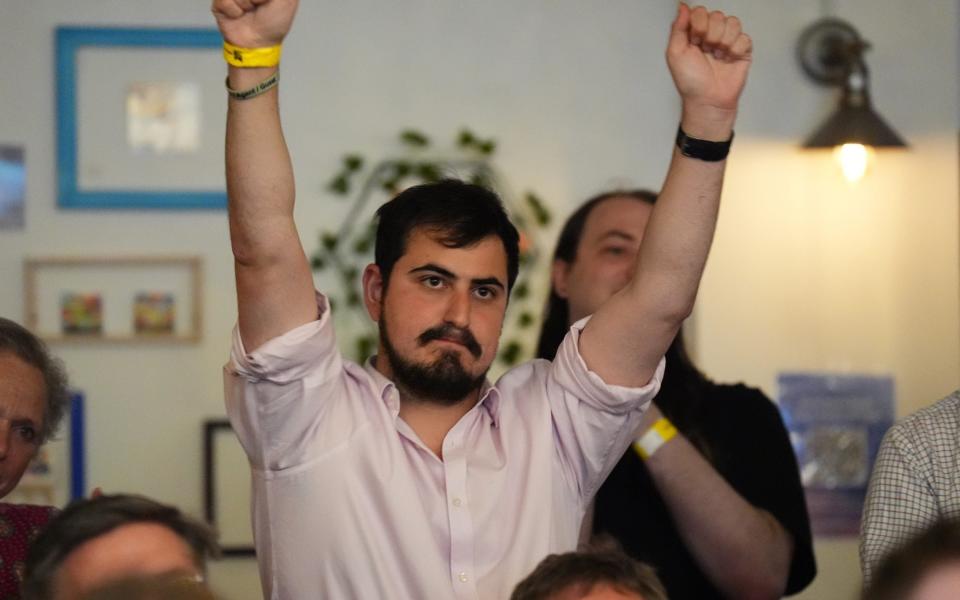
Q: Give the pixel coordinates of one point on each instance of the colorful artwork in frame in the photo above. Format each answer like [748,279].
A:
[81,313]
[154,313]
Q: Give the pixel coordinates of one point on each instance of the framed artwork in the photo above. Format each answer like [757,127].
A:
[140,118]
[13,180]
[226,488]
[57,475]
[114,299]
[836,423]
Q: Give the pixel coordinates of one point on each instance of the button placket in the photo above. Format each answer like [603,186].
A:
[461,525]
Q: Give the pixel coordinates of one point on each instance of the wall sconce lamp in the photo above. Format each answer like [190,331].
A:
[831,53]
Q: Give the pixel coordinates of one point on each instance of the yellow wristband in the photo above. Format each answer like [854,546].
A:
[251,57]
[662,432]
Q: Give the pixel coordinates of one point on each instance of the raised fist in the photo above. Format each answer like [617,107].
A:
[254,23]
[709,56]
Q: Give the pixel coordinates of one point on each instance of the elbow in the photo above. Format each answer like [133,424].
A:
[245,255]
[759,584]
[762,591]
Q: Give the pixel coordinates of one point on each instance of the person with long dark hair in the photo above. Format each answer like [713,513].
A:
[709,494]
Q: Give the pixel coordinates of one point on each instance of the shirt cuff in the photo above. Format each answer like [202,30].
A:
[572,373]
[288,357]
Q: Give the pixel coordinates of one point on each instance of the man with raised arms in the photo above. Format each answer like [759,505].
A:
[411,476]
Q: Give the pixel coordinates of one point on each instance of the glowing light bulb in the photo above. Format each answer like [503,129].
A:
[854,160]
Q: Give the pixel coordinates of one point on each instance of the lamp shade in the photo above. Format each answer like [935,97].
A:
[852,124]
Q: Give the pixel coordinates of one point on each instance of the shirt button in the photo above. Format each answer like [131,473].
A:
[463,578]
[457,502]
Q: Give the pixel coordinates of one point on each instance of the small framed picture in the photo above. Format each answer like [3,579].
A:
[114,299]
[154,313]
[81,313]
[140,117]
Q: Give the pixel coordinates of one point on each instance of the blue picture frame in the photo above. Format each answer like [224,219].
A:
[68,41]
[78,446]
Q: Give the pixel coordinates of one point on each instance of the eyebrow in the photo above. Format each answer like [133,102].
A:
[617,233]
[434,268]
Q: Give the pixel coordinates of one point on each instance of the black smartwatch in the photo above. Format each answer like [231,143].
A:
[702,149]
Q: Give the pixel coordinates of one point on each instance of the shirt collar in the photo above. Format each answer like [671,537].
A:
[489,394]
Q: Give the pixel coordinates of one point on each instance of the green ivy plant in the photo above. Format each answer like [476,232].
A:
[346,250]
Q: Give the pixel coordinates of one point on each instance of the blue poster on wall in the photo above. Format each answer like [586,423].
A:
[836,423]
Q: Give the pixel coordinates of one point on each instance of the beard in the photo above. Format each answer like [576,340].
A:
[444,381]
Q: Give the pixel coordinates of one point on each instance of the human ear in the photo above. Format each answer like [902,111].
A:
[373,291]
[559,277]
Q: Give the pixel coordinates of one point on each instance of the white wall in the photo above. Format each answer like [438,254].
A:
[807,273]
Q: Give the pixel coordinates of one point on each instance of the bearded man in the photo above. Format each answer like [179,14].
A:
[412,476]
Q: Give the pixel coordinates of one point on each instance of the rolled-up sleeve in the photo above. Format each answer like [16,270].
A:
[274,395]
[594,422]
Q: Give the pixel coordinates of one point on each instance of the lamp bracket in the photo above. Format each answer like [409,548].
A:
[826,48]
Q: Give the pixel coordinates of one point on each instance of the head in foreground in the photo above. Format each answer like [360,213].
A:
[108,538]
[925,568]
[593,574]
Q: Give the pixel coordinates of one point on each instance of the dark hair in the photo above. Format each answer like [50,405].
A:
[588,568]
[16,339]
[556,318]
[683,383]
[84,520]
[460,213]
[904,568]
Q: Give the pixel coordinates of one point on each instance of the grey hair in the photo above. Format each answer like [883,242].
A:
[16,339]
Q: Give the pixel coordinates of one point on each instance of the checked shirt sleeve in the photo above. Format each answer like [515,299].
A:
[901,500]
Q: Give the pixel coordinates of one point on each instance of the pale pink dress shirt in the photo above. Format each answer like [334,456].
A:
[349,503]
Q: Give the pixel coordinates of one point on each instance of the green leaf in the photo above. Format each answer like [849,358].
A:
[540,212]
[353,162]
[339,185]
[317,263]
[525,320]
[429,172]
[466,138]
[353,299]
[414,138]
[511,353]
[362,245]
[365,347]
[329,240]
[521,290]
[487,147]
[401,169]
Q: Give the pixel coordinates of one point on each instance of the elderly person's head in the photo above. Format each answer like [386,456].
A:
[105,539]
[33,399]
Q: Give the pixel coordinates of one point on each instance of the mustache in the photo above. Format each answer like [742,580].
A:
[452,333]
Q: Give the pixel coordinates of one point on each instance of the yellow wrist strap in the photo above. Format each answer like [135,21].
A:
[251,57]
[662,432]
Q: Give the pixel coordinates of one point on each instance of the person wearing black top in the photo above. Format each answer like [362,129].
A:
[717,506]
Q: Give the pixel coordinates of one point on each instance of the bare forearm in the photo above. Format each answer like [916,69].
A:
[274,282]
[648,313]
[260,184]
[709,57]
[742,550]
[677,240]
